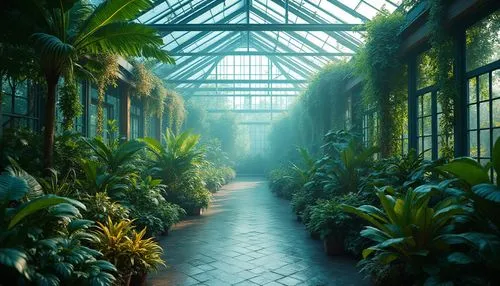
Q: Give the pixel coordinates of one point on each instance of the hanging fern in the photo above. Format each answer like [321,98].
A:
[175,111]
[144,79]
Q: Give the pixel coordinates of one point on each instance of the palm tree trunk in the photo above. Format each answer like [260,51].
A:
[50,120]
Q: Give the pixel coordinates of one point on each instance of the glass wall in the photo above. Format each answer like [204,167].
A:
[19,105]
[483,85]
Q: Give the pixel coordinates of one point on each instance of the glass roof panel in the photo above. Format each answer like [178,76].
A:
[256,73]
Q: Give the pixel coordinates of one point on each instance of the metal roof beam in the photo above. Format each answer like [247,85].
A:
[256,27]
[261,53]
[247,110]
[349,10]
[237,81]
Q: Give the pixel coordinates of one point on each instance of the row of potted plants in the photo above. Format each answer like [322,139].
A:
[409,220]
[94,218]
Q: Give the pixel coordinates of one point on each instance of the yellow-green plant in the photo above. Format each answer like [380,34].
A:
[128,249]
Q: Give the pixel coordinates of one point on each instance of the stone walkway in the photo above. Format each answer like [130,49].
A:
[249,237]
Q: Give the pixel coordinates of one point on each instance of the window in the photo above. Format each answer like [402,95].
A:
[20,106]
[483,85]
[429,111]
[153,127]
[136,129]
[370,127]
[111,110]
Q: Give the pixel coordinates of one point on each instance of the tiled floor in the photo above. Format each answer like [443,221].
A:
[249,237]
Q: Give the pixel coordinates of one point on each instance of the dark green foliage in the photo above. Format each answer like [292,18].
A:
[43,238]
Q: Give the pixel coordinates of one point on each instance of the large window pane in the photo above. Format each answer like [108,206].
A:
[483,42]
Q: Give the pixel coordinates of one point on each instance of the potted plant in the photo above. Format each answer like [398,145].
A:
[329,219]
[133,255]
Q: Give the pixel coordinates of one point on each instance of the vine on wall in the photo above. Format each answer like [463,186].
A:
[107,77]
[385,75]
[443,47]
[158,101]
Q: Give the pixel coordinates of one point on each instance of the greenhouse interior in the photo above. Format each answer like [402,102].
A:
[249,142]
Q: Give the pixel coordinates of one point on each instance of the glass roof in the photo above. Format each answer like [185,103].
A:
[255,73]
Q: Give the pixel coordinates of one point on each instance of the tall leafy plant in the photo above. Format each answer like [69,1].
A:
[73,32]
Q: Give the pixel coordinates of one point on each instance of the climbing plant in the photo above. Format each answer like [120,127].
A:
[69,101]
[384,74]
[175,111]
[107,76]
[443,47]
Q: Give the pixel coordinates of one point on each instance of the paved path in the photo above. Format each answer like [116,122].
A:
[249,237]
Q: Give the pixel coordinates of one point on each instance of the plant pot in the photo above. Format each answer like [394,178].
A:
[315,235]
[196,212]
[165,232]
[333,245]
[138,279]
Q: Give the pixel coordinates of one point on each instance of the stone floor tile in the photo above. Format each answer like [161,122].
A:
[250,237]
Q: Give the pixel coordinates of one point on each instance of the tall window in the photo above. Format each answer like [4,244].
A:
[111,110]
[429,112]
[483,80]
[19,105]
[136,129]
[370,127]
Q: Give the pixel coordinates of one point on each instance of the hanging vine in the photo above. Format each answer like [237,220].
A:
[108,75]
[385,75]
[443,46]
[175,111]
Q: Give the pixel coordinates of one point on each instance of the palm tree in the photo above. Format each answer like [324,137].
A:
[73,32]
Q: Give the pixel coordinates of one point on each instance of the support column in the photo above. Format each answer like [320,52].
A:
[460,108]
[412,103]
[125,113]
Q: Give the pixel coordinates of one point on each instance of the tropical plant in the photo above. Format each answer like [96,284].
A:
[148,207]
[117,158]
[424,236]
[127,249]
[100,207]
[71,32]
[328,218]
[178,157]
[42,238]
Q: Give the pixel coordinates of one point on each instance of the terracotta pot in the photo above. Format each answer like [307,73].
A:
[138,279]
[333,245]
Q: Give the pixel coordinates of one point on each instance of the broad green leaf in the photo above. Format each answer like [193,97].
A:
[468,170]
[38,204]
[488,192]
[15,258]
[12,188]
[459,258]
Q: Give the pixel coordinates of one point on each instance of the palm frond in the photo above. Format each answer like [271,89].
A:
[112,11]
[126,39]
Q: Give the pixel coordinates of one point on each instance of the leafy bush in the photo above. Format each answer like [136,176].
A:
[43,238]
[328,218]
[100,207]
[148,207]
